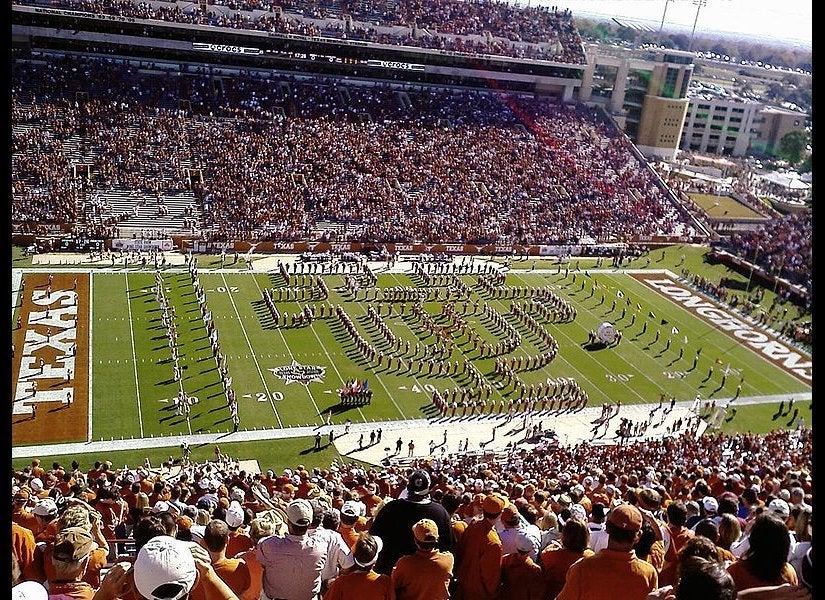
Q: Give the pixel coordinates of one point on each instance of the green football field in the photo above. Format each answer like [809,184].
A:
[132,385]
[132,378]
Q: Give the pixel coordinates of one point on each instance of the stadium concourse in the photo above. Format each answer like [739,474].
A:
[429,437]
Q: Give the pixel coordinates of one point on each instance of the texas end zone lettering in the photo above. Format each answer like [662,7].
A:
[770,348]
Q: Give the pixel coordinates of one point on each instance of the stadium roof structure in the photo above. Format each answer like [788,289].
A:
[636,26]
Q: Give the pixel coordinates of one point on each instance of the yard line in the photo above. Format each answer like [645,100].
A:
[89,362]
[596,360]
[292,357]
[134,357]
[389,394]
[252,351]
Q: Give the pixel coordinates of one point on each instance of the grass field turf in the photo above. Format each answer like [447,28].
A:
[724,206]
[632,372]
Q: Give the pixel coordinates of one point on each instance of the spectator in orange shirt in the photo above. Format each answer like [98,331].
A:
[258,529]
[521,578]
[679,535]
[615,573]
[22,547]
[425,575]
[235,519]
[19,511]
[479,554]
[232,571]
[362,582]
[558,556]
[348,527]
[78,517]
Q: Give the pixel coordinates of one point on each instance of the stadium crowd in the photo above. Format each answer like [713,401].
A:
[719,516]
[782,246]
[548,173]
[536,32]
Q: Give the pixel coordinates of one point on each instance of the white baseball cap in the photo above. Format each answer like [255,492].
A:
[29,590]
[36,484]
[234,514]
[710,504]
[299,512]
[47,507]
[780,507]
[164,569]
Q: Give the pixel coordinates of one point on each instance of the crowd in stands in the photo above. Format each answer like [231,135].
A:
[545,172]
[617,522]
[537,32]
[782,247]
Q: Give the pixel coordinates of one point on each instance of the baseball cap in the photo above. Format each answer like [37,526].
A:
[45,508]
[425,530]
[780,507]
[563,499]
[299,512]
[419,483]
[29,590]
[493,504]
[72,544]
[710,504]
[36,484]
[234,514]
[21,496]
[626,516]
[164,569]
[160,506]
[238,494]
[350,509]
[366,550]
[524,543]
[784,494]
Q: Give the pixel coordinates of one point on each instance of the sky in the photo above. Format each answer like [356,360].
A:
[786,20]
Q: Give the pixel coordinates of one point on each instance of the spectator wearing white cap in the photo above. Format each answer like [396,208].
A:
[165,569]
[362,581]
[293,564]
[777,507]
[46,513]
[352,523]
[236,519]
[521,577]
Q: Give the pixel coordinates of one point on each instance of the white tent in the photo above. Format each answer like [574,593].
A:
[789,181]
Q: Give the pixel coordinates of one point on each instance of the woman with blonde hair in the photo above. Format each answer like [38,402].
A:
[729,531]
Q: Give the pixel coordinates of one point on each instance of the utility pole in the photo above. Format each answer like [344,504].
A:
[699,4]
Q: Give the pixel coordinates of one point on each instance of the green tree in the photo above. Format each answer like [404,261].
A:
[792,146]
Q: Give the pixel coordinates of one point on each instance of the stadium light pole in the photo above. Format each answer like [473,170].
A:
[699,4]
[662,24]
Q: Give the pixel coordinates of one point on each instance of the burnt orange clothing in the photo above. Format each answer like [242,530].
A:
[609,575]
[744,579]
[237,543]
[521,578]
[656,556]
[22,546]
[47,533]
[234,573]
[458,528]
[362,585]
[555,562]
[256,575]
[350,534]
[424,575]
[26,519]
[479,562]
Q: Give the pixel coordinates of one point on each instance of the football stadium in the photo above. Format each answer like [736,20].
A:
[283,269]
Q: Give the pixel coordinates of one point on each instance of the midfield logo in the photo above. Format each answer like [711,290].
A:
[305,374]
